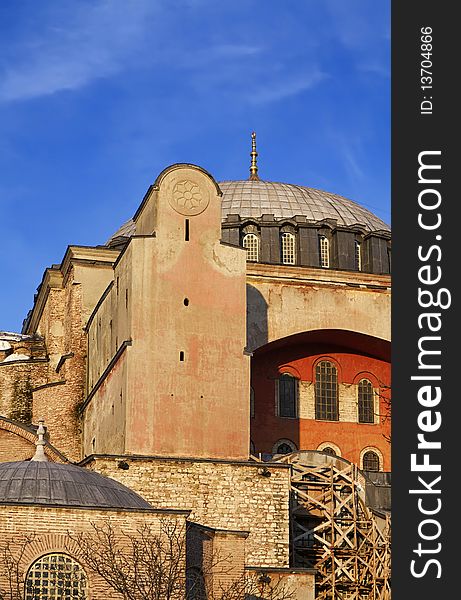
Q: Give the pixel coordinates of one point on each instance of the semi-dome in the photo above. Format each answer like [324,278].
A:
[66,485]
[253,198]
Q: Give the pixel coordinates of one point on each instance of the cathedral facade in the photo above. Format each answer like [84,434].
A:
[222,330]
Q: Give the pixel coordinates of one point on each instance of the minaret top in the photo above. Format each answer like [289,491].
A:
[40,443]
[254,154]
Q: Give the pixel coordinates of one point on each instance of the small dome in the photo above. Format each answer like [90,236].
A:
[252,199]
[55,484]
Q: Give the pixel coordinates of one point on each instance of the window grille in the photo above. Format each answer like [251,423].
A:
[251,244]
[324,252]
[287,392]
[326,391]
[370,461]
[55,577]
[358,256]
[288,249]
[366,402]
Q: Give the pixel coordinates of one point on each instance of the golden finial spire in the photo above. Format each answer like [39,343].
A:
[254,154]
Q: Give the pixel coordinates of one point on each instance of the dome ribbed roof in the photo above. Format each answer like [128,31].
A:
[55,484]
[284,200]
[252,199]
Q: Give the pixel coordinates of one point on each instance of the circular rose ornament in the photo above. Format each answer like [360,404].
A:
[187,198]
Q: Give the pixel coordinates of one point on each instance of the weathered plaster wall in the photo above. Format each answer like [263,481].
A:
[179,296]
[285,300]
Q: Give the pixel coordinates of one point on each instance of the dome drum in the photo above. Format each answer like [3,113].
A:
[280,223]
[344,243]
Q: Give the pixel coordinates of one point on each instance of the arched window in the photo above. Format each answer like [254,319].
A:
[329,450]
[370,461]
[54,577]
[251,244]
[326,391]
[284,447]
[358,256]
[366,401]
[324,252]
[287,243]
[287,396]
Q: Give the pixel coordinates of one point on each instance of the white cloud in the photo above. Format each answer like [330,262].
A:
[285,87]
[91,42]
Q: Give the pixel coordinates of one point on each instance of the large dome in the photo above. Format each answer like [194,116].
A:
[284,200]
[55,484]
[252,199]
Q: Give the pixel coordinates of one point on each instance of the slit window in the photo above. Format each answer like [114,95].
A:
[186,230]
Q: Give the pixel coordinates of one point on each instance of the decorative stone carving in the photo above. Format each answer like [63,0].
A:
[187,198]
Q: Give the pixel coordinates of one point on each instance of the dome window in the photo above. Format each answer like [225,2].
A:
[324,252]
[55,576]
[326,391]
[288,241]
[358,256]
[251,244]
[366,401]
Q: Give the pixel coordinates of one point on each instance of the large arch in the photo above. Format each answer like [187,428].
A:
[285,301]
[354,356]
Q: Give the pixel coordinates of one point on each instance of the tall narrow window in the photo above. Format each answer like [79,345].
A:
[252,402]
[366,401]
[326,391]
[55,576]
[324,252]
[370,461]
[287,396]
[288,248]
[358,256]
[251,244]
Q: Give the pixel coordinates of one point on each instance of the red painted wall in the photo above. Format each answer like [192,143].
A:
[299,360]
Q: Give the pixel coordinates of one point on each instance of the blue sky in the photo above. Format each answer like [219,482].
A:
[98,96]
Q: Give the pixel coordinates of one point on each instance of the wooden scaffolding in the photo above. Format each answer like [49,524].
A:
[333,531]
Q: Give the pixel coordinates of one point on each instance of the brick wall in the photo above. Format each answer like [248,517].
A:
[51,526]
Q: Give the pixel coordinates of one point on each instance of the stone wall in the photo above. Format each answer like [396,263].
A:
[219,494]
[23,361]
